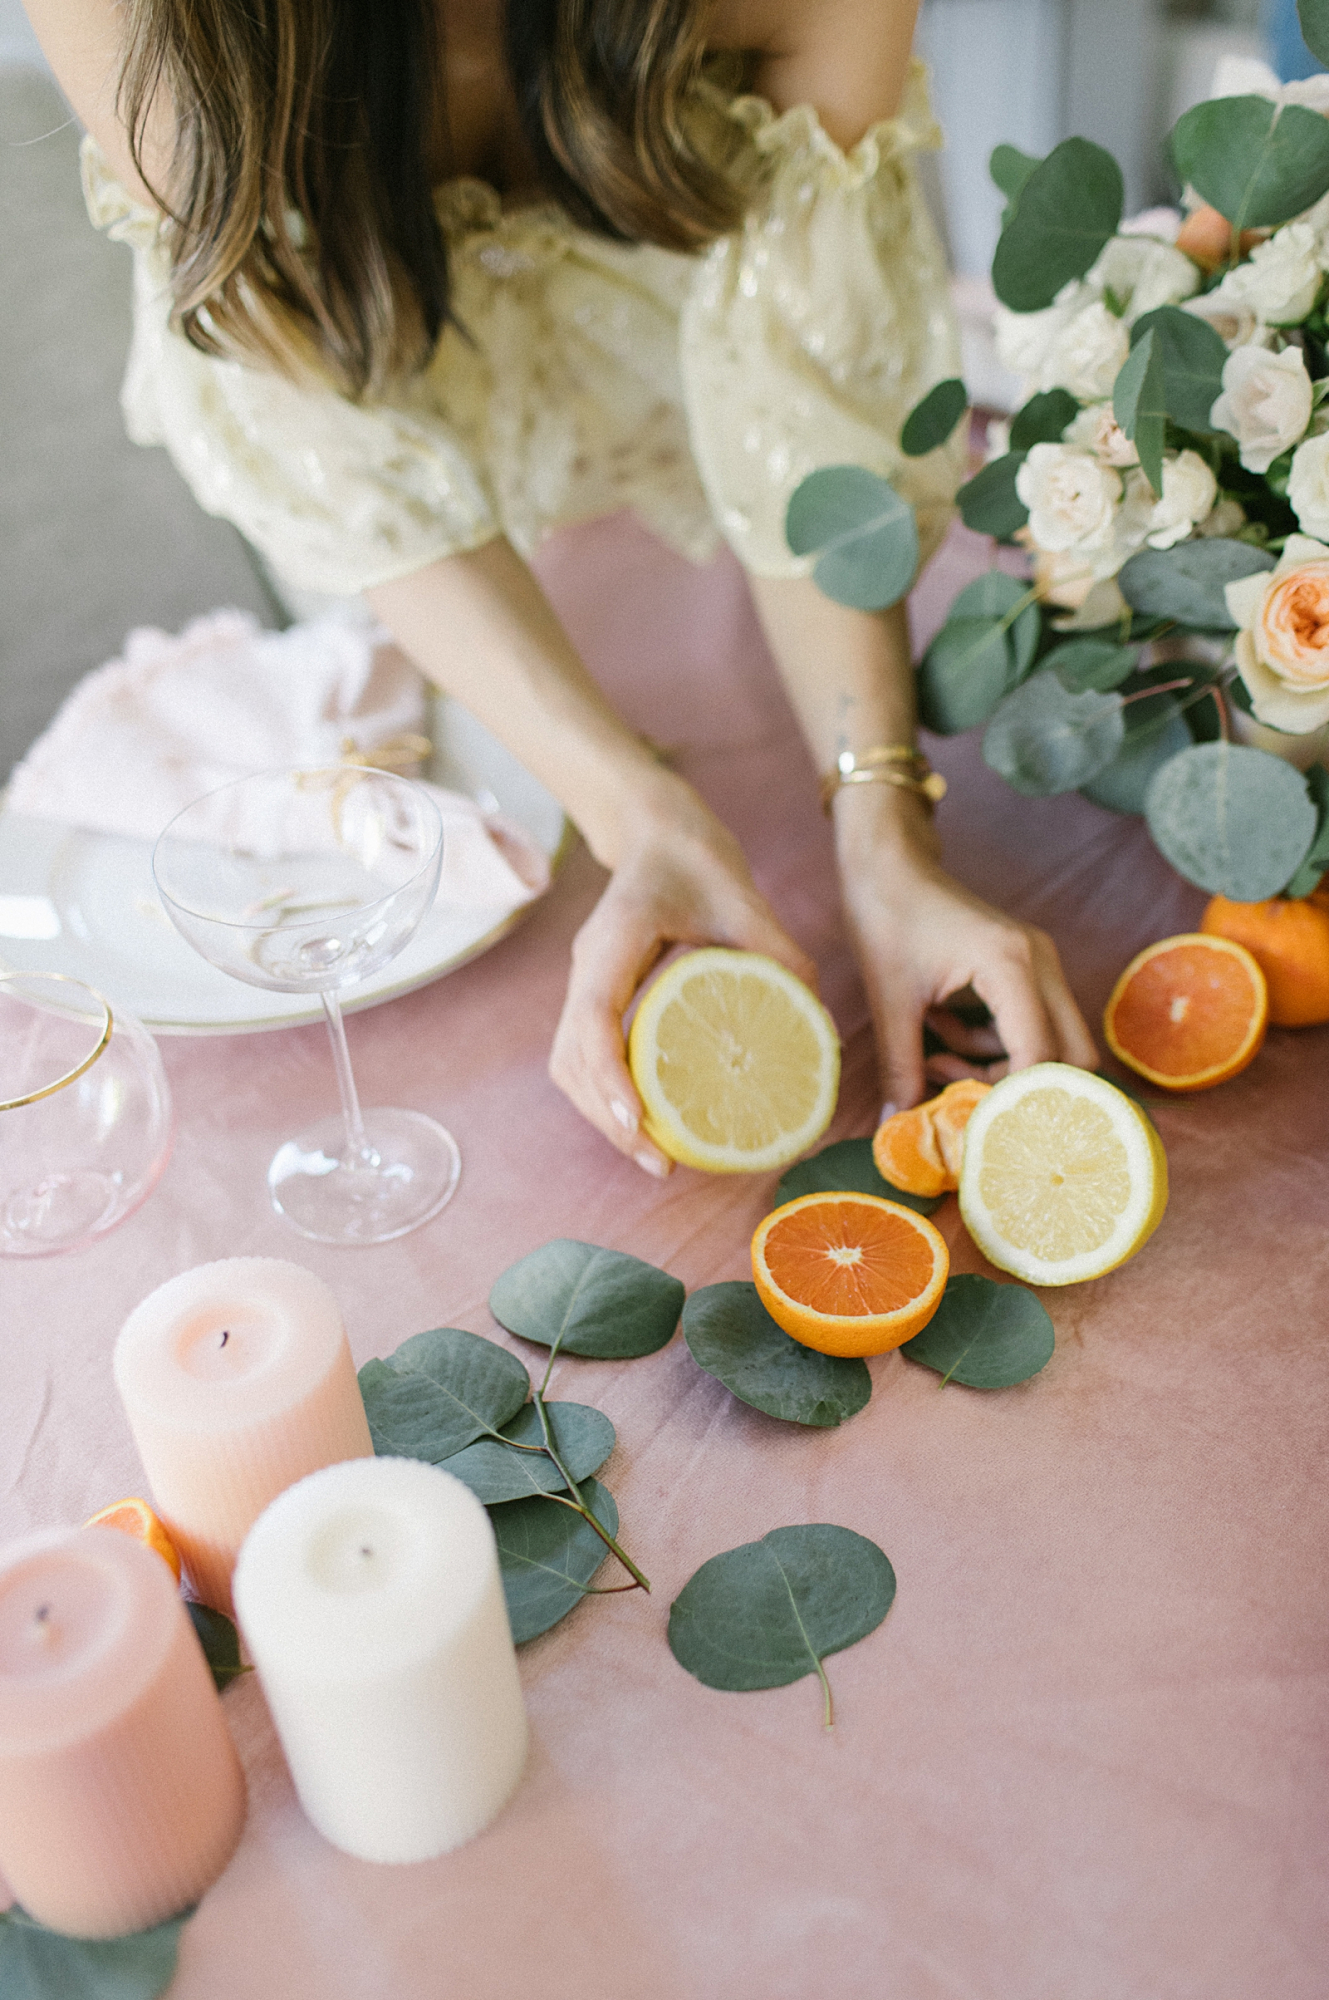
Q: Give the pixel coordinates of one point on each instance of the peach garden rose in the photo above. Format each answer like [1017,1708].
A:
[1283,643]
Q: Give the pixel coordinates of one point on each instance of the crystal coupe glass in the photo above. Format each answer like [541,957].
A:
[307,881]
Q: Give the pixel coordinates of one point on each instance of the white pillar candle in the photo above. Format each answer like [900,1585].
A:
[371,1603]
[237,1380]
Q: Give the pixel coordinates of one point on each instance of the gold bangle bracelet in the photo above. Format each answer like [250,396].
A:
[886,764]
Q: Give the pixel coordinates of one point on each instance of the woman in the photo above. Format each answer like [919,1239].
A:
[439,276]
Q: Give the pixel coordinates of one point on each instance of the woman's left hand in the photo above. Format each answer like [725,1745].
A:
[922,938]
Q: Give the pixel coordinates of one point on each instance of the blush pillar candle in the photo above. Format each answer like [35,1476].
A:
[371,1603]
[121,1797]
[237,1380]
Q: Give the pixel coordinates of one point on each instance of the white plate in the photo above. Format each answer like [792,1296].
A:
[86,904]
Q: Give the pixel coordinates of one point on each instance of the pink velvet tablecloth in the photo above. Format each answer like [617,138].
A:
[1085,1756]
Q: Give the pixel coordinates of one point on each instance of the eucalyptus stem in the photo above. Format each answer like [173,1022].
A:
[642,1581]
[828,1712]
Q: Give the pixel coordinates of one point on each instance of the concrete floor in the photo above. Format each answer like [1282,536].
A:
[96,535]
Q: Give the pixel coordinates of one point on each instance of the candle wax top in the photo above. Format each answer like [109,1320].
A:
[227,1345]
[85,1616]
[362,1567]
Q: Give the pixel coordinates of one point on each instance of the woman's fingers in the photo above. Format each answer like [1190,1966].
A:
[1076,1044]
[588,1061]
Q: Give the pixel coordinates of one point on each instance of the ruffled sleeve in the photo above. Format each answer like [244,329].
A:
[337,496]
[812,332]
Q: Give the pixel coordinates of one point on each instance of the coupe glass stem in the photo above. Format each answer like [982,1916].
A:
[357,1145]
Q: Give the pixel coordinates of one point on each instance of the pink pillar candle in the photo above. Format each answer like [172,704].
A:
[237,1380]
[121,1797]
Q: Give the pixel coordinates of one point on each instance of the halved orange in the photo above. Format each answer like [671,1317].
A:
[1188,1012]
[922,1150]
[849,1274]
[135,1517]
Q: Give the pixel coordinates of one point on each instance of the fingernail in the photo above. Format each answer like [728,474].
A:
[653,1164]
[888,1110]
[623,1114]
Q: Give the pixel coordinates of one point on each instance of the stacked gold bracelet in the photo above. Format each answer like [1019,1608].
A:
[887,764]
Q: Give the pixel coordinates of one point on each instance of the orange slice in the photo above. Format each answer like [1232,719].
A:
[1290,943]
[135,1517]
[849,1274]
[1188,1012]
[922,1150]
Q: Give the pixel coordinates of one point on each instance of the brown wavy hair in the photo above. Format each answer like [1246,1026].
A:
[301,221]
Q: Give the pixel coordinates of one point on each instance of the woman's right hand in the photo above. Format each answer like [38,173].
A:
[679,877]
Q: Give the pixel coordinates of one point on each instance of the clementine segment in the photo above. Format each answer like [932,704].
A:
[135,1517]
[1290,943]
[849,1274]
[1188,1012]
[922,1150]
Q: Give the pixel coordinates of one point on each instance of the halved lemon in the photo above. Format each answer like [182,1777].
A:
[736,1063]
[1063,1177]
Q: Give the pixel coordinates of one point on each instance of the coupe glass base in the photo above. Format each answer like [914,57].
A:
[407,1173]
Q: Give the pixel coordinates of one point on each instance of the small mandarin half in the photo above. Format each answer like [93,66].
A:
[135,1517]
[921,1150]
[849,1274]
[1188,1012]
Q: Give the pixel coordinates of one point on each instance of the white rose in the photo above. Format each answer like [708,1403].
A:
[1143,273]
[1025,340]
[1281,278]
[1097,430]
[1308,486]
[1087,355]
[1072,499]
[1265,404]
[1225,520]
[1188,496]
[1233,320]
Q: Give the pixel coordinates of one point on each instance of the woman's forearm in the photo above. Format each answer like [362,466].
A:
[850,680]
[480,627]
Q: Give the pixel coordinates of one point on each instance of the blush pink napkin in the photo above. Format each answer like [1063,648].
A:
[178,716]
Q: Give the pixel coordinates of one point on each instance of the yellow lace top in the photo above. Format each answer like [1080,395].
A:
[698,391]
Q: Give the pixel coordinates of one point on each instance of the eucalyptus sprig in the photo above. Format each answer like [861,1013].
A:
[41,1964]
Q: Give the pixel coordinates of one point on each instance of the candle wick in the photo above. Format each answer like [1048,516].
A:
[365,1550]
[226,1334]
[43,1613]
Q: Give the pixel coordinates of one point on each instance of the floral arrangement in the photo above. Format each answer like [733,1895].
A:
[1168,476]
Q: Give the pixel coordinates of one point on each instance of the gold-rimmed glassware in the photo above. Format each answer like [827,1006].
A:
[85,1114]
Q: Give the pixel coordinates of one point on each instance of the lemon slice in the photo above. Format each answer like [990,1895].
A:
[736,1062]
[1063,1178]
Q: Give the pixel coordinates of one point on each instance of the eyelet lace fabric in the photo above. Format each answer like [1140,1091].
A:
[593,375]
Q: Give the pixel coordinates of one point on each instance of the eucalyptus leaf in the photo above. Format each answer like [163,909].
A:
[1316,863]
[989,503]
[770,1612]
[1010,169]
[1314,18]
[864,535]
[932,421]
[1256,164]
[1231,819]
[584,1300]
[1082,665]
[847,1167]
[1192,356]
[1185,584]
[39,1964]
[985,1335]
[497,1474]
[734,1338]
[1043,740]
[439,1391]
[547,1555]
[1068,210]
[220,1642]
[984,649]
[1122,784]
[1043,419]
[1140,407]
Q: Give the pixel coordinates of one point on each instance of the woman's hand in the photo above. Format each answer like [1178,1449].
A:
[678,877]
[921,939]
